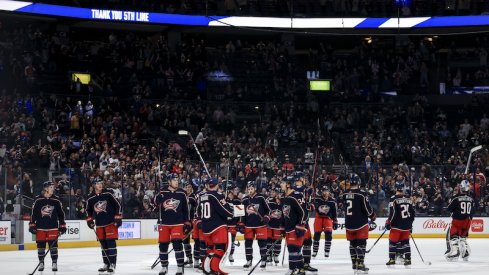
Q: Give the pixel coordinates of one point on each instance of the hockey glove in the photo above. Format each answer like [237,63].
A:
[373,216]
[300,230]
[118,220]
[62,228]
[32,228]
[240,227]
[266,220]
[387,225]
[335,225]
[187,227]
[90,223]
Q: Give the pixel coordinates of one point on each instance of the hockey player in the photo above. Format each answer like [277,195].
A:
[461,207]
[400,224]
[192,204]
[325,220]
[300,186]
[104,214]
[255,224]
[175,223]
[215,212]
[295,218]
[275,225]
[47,223]
[233,199]
[357,213]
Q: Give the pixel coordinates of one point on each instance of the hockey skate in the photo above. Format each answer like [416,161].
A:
[276,260]
[464,249]
[189,263]
[407,263]
[299,271]
[309,269]
[269,258]
[391,263]
[231,259]
[111,269]
[41,267]
[179,270]
[326,254]
[453,252]
[314,254]
[164,270]
[103,269]
[54,267]
[263,265]
[362,269]
[248,265]
[196,263]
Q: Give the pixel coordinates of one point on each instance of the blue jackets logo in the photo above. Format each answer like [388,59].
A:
[323,209]
[276,214]
[252,209]
[47,210]
[100,206]
[171,204]
[286,211]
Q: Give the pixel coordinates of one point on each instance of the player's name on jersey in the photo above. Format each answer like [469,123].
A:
[465,198]
[120,15]
[403,200]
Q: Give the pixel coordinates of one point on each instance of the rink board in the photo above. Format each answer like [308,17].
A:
[142,232]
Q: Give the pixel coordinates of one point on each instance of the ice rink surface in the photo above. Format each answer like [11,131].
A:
[138,259]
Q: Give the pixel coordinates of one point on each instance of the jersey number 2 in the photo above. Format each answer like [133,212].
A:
[206,210]
[349,207]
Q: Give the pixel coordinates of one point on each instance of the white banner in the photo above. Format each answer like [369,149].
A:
[72,231]
[5,232]
[130,230]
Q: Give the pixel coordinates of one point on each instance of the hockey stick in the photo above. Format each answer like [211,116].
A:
[45,254]
[283,254]
[385,230]
[473,150]
[266,254]
[157,261]
[427,262]
[186,133]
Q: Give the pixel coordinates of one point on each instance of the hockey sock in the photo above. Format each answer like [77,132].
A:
[249,249]
[219,251]
[328,238]
[353,252]
[196,249]
[315,244]
[164,254]
[111,251]
[187,247]
[203,250]
[406,249]
[54,251]
[393,249]
[178,248]
[277,248]
[295,257]
[306,250]
[105,252]
[360,248]
[269,244]
[40,250]
[233,239]
[263,243]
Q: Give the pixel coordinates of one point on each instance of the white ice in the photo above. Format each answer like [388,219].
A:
[138,259]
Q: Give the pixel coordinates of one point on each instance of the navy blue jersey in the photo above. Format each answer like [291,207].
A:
[103,207]
[234,201]
[198,211]
[357,209]
[325,207]
[214,211]
[461,206]
[174,207]
[256,208]
[401,212]
[47,213]
[293,210]
[276,217]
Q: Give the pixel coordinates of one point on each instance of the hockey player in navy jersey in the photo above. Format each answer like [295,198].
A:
[461,207]
[200,249]
[294,223]
[325,220]
[300,186]
[400,224]
[192,205]
[255,224]
[233,199]
[175,223]
[47,222]
[357,213]
[275,225]
[104,214]
[215,213]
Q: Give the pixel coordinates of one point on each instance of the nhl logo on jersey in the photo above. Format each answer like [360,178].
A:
[171,204]
[47,210]
[323,209]
[286,210]
[252,209]
[276,214]
[100,206]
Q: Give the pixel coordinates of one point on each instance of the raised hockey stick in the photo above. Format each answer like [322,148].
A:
[45,254]
[385,230]
[266,254]
[186,133]
[419,253]
[473,150]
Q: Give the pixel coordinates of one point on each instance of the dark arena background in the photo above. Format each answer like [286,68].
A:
[390,94]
